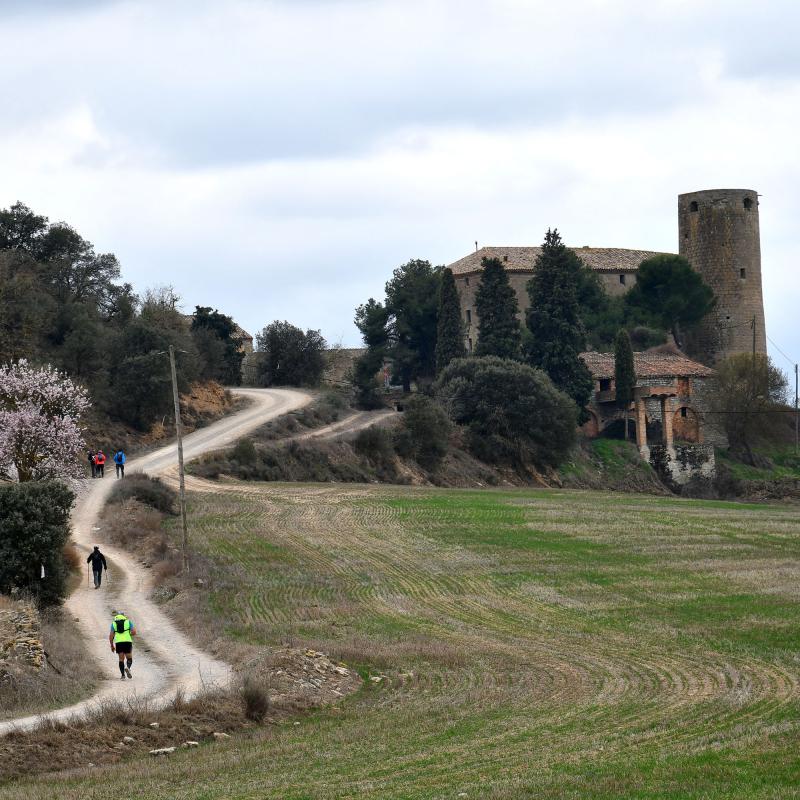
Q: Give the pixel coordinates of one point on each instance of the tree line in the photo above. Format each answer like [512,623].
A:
[65,304]
[418,329]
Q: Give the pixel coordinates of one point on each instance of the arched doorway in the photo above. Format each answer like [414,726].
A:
[686,425]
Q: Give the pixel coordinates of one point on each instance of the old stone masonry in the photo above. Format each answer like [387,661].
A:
[20,638]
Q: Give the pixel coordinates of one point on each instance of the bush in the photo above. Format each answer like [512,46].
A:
[255,700]
[245,452]
[424,433]
[513,413]
[375,444]
[34,527]
[150,491]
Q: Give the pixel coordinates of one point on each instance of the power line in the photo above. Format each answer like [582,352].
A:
[790,360]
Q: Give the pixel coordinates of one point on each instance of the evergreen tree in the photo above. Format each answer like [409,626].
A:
[499,331]
[449,330]
[557,334]
[624,372]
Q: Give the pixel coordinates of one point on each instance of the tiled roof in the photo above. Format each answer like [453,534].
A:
[647,365]
[240,333]
[523,259]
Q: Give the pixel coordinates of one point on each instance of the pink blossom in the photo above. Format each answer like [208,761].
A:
[40,411]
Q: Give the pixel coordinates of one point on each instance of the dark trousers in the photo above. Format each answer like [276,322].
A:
[120,470]
[97,574]
[101,468]
[94,468]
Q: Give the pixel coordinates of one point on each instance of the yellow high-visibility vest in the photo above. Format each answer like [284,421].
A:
[125,636]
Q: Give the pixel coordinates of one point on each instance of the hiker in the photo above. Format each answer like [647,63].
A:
[92,465]
[100,463]
[98,561]
[119,462]
[121,640]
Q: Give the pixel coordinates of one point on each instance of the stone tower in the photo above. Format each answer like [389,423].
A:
[719,236]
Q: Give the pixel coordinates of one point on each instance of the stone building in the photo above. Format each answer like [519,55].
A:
[668,416]
[718,233]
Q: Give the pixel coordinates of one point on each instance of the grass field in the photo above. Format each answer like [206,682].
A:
[534,644]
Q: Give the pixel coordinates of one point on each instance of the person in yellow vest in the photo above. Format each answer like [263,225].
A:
[121,640]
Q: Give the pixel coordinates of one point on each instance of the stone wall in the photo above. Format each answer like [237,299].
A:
[679,463]
[20,636]
[718,233]
[467,286]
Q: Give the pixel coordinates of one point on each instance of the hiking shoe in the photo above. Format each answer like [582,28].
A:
[122,677]
[128,672]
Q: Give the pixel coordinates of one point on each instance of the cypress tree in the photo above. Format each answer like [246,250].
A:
[449,330]
[557,333]
[499,331]
[624,372]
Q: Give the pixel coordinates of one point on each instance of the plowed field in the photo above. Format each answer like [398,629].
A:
[528,644]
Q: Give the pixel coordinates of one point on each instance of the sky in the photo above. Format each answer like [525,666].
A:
[277,159]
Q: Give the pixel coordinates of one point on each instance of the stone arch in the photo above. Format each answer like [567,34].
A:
[686,425]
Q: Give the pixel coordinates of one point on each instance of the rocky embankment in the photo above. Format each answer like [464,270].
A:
[20,639]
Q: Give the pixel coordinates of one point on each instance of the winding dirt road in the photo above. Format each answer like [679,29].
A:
[164,659]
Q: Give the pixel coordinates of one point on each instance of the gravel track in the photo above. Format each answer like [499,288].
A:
[164,659]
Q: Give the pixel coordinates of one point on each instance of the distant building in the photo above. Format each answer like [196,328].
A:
[718,233]
[668,415]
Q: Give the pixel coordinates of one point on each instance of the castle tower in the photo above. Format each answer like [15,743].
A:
[719,236]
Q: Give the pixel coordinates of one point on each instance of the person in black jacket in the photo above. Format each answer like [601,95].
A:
[98,561]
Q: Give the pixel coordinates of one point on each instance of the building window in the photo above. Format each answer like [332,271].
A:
[605,384]
[684,412]
[622,279]
[693,205]
[505,258]
[466,280]
[742,273]
[469,345]
[469,317]
[748,203]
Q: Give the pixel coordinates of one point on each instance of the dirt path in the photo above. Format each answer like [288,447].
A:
[164,659]
[352,423]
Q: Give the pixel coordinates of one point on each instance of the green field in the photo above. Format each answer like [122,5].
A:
[534,644]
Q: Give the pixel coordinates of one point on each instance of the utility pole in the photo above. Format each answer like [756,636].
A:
[179,432]
[796,415]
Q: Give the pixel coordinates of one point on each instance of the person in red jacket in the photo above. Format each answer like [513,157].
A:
[100,462]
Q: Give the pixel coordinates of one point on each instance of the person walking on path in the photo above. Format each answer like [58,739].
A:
[100,461]
[98,562]
[119,461]
[121,640]
[92,465]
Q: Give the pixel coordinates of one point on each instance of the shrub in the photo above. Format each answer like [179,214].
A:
[375,444]
[34,527]
[245,452]
[150,491]
[424,433]
[513,412]
[255,700]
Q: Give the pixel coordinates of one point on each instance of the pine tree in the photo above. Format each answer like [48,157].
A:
[499,331]
[449,330]
[624,372]
[557,334]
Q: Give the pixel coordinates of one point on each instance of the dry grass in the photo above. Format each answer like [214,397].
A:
[68,676]
[524,644]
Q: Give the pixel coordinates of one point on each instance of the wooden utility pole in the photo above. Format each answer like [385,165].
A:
[179,432]
[796,415]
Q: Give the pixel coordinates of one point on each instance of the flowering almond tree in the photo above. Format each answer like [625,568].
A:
[40,411]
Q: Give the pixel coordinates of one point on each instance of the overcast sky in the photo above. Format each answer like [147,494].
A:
[279,159]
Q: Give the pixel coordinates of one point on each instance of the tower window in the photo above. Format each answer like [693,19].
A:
[684,411]
[469,345]
[622,279]
[742,273]
[748,203]
[469,316]
[693,205]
